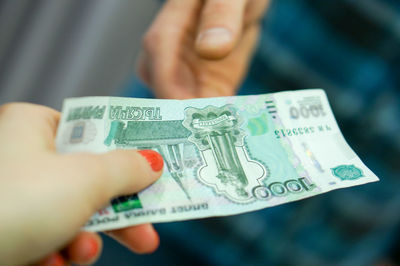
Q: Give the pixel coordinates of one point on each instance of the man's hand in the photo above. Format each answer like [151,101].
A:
[200,48]
[47,197]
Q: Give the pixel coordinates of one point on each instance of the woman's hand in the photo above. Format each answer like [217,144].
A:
[47,197]
[200,48]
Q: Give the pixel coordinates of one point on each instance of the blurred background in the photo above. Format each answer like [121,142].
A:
[50,50]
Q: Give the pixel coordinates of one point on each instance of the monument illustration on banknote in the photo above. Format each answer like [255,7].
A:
[215,131]
[228,169]
[167,137]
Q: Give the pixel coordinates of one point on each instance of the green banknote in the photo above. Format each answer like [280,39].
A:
[223,156]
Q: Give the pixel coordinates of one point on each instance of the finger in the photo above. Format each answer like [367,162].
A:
[142,69]
[240,57]
[140,239]
[255,9]
[28,126]
[163,44]
[97,178]
[84,249]
[55,259]
[220,28]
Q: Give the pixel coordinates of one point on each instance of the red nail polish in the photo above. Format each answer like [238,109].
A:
[92,248]
[154,158]
[54,260]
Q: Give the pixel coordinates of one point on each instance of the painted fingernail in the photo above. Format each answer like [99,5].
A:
[54,260]
[92,248]
[154,158]
[214,37]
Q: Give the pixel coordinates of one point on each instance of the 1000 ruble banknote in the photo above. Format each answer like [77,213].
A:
[222,156]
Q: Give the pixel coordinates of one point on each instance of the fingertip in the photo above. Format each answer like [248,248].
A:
[153,241]
[154,159]
[214,43]
[141,239]
[54,259]
[85,248]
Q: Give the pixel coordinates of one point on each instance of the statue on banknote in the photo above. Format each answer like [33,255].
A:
[228,168]
[167,137]
[216,132]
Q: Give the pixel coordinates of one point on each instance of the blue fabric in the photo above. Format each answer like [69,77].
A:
[351,48]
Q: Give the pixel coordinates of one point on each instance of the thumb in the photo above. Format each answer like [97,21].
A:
[221,24]
[102,177]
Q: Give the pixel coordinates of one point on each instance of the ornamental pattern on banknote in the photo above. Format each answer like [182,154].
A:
[228,168]
[347,172]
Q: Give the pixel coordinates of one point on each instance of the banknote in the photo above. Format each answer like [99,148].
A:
[223,156]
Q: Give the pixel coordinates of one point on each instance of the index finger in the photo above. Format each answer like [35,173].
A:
[164,43]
